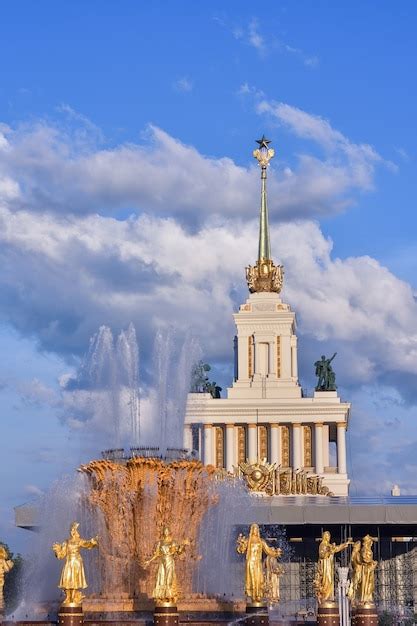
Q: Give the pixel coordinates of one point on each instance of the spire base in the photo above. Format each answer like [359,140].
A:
[265,276]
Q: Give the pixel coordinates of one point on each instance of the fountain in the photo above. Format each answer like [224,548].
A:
[145,482]
[134,501]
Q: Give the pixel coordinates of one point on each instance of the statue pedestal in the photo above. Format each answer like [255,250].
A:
[365,615]
[328,614]
[257,614]
[165,615]
[70,616]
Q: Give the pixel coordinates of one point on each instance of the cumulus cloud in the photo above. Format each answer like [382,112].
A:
[62,275]
[69,265]
[63,169]
[346,165]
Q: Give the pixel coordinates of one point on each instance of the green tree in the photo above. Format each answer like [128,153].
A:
[12,582]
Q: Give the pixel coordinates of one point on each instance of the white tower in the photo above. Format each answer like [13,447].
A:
[265,415]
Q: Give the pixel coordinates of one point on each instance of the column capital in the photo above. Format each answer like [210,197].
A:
[274,425]
[208,425]
[340,424]
[319,424]
[230,425]
[252,425]
[296,425]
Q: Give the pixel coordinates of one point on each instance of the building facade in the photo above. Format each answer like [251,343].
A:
[266,417]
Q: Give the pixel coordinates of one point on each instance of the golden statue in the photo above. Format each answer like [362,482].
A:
[5,567]
[367,584]
[254,547]
[356,572]
[324,580]
[72,576]
[166,590]
[273,573]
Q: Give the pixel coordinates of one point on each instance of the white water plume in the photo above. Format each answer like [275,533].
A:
[61,505]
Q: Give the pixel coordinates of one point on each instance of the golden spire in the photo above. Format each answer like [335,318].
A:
[264,276]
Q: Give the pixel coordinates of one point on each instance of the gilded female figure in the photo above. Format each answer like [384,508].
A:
[324,580]
[5,567]
[367,586]
[273,573]
[254,547]
[73,576]
[356,572]
[166,588]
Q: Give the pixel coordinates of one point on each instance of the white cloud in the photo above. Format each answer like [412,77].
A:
[33,490]
[67,269]
[254,37]
[67,170]
[9,189]
[63,275]
[345,166]
[35,392]
[251,35]
[183,84]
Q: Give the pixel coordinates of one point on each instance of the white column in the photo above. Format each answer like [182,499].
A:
[208,445]
[188,437]
[242,356]
[275,441]
[230,447]
[318,448]
[200,442]
[294,363]
[252,443]
[272,356]
[296,448]
[285,356]
[326,459]
[341,447]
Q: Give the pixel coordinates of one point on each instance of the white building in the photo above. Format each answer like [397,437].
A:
[265,415]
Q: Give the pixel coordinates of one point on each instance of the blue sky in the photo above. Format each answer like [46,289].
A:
[128,193]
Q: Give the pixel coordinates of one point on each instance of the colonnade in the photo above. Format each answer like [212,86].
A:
[296,445]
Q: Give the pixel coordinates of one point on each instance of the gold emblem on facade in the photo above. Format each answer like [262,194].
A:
[267,478]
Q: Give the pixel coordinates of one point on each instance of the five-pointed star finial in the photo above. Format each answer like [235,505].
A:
[263,142]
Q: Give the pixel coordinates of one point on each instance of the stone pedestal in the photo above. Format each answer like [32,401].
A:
[165,615]
[328,614]
[257,614]
[365,615]
[71,616]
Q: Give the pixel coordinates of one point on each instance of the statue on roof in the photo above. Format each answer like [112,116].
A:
[200,382]
[325,374]
[199,378]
